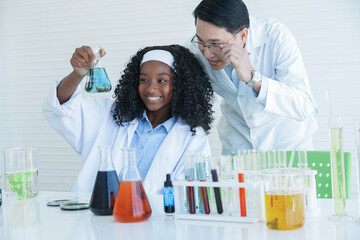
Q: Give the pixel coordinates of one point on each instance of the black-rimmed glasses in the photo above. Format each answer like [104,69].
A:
[213,47]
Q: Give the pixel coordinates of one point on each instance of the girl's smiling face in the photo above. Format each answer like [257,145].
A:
[155,88]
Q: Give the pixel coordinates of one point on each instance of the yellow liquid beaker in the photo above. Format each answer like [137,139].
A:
[284,212]
[284,199]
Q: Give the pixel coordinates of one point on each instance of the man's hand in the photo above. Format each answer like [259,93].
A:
[239,58]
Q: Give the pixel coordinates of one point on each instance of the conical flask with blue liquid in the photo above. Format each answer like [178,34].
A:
[106,185]
[97,79]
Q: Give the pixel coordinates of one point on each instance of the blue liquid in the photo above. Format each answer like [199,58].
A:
[97,81]
[169,206]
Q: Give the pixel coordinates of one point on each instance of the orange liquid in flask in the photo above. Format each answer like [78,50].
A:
[131,204]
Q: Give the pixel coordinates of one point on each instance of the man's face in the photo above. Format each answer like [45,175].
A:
[210,40]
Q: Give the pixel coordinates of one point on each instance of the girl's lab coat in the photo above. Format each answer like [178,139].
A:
[87,123]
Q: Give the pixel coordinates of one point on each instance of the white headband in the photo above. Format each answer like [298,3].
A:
[159,55]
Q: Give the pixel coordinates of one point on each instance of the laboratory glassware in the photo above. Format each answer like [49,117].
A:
[240,161]
[284,199]
[204,206]
[190,160]
[21,173]
[337,170]
[97,79]
[106,185]
[132,204]
[168,196]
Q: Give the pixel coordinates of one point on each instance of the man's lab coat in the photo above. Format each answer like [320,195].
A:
[87,123]
[282,116]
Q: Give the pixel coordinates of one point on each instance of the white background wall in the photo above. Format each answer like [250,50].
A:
[38,37]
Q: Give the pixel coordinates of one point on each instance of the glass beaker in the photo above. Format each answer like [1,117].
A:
[97,79]
[131,204]
[21,173]
[106,185]
[337,170]
[284,199]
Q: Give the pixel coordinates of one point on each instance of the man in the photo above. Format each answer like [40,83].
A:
[255,65]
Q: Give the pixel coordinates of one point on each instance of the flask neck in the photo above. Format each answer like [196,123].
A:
[106,163]
[130,171]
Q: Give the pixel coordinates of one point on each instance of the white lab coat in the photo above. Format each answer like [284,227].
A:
[87,123]
[282,116]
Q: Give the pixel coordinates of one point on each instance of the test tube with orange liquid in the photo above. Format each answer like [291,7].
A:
[240,160]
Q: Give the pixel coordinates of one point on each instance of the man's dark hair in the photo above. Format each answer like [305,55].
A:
[229,14]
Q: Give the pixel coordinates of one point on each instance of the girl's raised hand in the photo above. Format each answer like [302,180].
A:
[83,58]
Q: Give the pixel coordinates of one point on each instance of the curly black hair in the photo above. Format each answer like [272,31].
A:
[192,92]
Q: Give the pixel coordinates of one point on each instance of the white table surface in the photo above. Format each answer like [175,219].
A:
[32,219]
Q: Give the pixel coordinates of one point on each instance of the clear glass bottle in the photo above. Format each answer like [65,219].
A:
[97,79]
[132,204]
[106,185]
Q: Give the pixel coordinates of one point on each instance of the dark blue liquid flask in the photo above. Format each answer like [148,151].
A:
[106,185]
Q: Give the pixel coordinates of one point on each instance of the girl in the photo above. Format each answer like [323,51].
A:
[162,108]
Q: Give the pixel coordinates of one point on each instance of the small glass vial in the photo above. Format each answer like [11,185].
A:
[169,206]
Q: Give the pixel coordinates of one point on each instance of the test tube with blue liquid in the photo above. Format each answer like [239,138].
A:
[204,206]
[97,78]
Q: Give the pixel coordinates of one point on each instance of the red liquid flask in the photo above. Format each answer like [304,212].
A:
[106,185]
[131,204]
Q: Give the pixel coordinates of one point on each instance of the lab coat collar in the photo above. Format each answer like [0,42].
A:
[256,36]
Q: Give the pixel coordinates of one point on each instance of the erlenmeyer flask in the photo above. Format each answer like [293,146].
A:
[97,79]
[131,204]
[106,185]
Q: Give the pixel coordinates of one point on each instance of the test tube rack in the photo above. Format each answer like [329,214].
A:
[255,187]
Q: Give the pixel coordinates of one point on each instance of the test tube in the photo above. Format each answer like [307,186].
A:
[281,157]
[302,159]
[215,178]
[211,196]
[272,162]
[189,176]
[262,160]
[203,193]
[252,164]
[239,166]
[226,175]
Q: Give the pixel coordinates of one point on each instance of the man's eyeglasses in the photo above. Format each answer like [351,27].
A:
[213,47]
